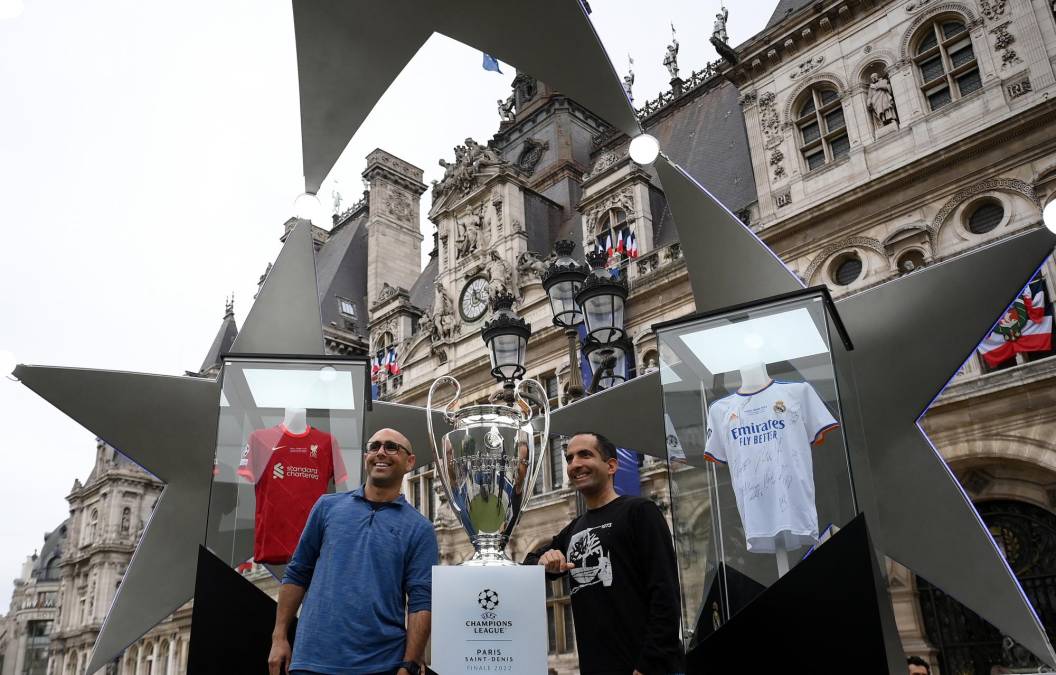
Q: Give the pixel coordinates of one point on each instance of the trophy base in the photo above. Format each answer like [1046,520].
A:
[489,559]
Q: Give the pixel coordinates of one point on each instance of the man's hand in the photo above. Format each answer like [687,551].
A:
[555,562]
[279,658]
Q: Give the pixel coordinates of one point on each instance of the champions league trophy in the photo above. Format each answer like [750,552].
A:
[488,464]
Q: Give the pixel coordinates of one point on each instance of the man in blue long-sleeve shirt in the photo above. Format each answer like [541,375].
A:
[363,563]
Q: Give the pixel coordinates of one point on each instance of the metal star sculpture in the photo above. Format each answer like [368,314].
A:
[168,426]
[917,510]
[916,507]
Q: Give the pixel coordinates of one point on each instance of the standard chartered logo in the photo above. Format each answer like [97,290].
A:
[278,471]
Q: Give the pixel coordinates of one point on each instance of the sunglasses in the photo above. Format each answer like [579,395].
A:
[390,447]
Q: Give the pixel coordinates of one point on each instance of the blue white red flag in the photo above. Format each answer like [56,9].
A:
[491,63]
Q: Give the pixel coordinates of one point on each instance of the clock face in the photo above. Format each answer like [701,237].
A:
[474,299]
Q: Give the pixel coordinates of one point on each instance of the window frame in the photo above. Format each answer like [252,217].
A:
[944,46]
[610,225]
[818,115]
[559,619]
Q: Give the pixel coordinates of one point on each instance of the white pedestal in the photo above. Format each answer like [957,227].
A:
[489,620]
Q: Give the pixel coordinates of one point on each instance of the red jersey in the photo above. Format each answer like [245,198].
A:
[290,471]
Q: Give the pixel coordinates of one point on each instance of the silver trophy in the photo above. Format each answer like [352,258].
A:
[488,465]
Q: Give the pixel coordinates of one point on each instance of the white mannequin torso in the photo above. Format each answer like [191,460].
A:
[296,420]
[753,378]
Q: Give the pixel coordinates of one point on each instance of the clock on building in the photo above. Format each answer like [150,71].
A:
[474,300]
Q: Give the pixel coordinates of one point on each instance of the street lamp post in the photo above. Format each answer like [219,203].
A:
[506,336]
[602,299]
[562,281]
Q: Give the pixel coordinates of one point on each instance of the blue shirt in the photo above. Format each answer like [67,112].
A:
[360,561]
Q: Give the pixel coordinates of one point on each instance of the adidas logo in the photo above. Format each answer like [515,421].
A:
[278,471]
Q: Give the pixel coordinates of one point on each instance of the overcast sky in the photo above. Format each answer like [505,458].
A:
[149,155]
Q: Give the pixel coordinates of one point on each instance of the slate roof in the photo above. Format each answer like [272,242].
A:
[51,551]
[225,337]
[423,292]
[784,9]
[707,137]
[341,272]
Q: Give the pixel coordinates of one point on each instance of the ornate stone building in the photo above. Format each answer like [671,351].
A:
[860,140]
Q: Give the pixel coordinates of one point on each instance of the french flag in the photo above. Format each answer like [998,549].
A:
[620,244]
[375,368]
[394,365]
[632,245]
[608,245]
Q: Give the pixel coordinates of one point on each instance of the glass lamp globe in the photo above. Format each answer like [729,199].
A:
[1049,216]
[644,149]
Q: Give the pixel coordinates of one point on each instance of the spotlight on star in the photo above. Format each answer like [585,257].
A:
[308,207]
[644,149]
[7,362]
[11,9]
[1049,216]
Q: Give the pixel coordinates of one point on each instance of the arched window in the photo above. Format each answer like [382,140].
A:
[1026,536]
[822,127]
[93,527]
[613,234]
[945,61]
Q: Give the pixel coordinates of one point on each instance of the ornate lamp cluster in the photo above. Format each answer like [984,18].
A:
[506,336]
[579,294]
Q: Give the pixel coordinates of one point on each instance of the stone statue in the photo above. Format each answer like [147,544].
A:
[506,109]
[529,264]
[880,102]
[427,326]
[469,234]
[337,201]
[719,30]
[500,277]
[907,266]
[444,319]
[671,57]
[628,79]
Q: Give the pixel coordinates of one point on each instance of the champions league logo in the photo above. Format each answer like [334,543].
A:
[493,439]
[488,600]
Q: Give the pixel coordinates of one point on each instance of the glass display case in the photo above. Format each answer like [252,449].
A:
[289,432]
[759,467]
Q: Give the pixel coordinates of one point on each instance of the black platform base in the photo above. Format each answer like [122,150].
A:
[231,623]
[830,614]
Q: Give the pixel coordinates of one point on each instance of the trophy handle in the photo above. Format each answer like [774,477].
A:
[440,452]
[544,403]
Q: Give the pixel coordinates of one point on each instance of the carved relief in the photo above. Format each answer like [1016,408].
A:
[499,275]
[776,157]
[1006,184]
[471,159]
[748,98]
[398,204]
[530,264]
[808,66]
[784,199]
[606,160]
[992,9]
[386,292]
[850,242]
[1018,88]
[446,324]
[768,119]
[918,4]
[623,199]
[1003,41]
[530,155]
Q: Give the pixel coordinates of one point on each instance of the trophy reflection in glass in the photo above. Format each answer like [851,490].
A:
[489,462]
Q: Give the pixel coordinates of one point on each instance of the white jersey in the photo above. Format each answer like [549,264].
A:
[765,438]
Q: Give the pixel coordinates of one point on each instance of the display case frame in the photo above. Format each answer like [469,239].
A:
[722,566]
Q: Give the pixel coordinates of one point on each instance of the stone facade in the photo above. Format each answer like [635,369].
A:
[868,161]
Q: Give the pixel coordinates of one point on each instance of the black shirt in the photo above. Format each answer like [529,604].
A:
[625,598]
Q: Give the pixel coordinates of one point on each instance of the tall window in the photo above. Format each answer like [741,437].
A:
[561,631]
[614,233]
[822,127]
[946,63]
[420,485]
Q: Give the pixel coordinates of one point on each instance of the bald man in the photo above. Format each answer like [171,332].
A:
[364,562]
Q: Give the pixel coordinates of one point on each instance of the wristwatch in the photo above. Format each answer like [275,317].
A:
[411,667]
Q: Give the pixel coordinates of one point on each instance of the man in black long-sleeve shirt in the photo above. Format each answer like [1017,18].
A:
[623,576]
